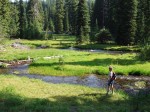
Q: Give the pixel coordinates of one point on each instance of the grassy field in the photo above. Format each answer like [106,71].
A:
[73,63]
[82,63]
[30,95]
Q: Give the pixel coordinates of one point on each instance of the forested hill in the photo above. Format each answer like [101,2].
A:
[124,21]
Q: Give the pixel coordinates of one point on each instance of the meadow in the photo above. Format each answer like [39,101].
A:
[52,57]
[31,95]
[65,62]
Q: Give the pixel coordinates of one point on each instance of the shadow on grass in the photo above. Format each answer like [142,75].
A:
[95,62]
[10,101]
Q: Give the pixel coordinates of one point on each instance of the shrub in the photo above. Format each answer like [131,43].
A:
[145,53]
[103,36]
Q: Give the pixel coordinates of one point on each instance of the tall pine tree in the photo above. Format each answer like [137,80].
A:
[59,16]
[23,24]
[140,23]
[72,12]
[147,21]
[35,19]
[5,18]
[83,27]
[126,19]
[98,13]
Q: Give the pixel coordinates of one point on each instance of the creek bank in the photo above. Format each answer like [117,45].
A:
[13,64]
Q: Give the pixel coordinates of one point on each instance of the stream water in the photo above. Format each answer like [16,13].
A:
[128,83]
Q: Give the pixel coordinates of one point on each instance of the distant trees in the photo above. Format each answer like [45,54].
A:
[128,21]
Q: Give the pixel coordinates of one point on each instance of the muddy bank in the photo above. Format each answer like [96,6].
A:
[13,64]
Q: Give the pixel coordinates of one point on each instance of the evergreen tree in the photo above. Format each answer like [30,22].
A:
[5,18]
[51,25]
[147,21]
[112,20]
[14,22]
[59,16]
[66,19]
[126,19]
[83,27]
[46,18]
[35,18]
[98,13]
[23,24]
[72,12]
[140,23]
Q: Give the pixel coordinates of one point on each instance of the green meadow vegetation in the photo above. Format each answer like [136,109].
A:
[109,46]
[31,95]
[63,62]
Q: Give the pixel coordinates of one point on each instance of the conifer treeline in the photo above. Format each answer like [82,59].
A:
[127,20]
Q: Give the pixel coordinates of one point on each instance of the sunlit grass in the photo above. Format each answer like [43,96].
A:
[22,94]
[83,63]
[31,95]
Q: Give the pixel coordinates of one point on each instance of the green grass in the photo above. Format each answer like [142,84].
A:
[58,41]
[30,95]
[78,63]
[83,63]
[111,47]
[75,63]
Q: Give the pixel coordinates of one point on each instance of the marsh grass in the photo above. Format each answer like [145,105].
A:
[30,95]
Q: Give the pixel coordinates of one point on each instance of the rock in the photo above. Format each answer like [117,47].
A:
[18,45]
[140,84]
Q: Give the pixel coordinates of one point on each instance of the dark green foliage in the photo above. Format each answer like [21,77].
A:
[59,16]
[94,30]
[126,21]
[103,36]
[98,13]
[143,22]
[66,21]
[112,20]
[51,26]
[145,53]
[147,21]
[5,18]
[72,13]
[83,27]
[35,19]
[140,23]
[23,24]
[14,22]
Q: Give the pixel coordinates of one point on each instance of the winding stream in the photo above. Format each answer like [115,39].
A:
[130,84]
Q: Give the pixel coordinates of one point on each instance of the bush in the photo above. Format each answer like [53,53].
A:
[103,36]
[145,53]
